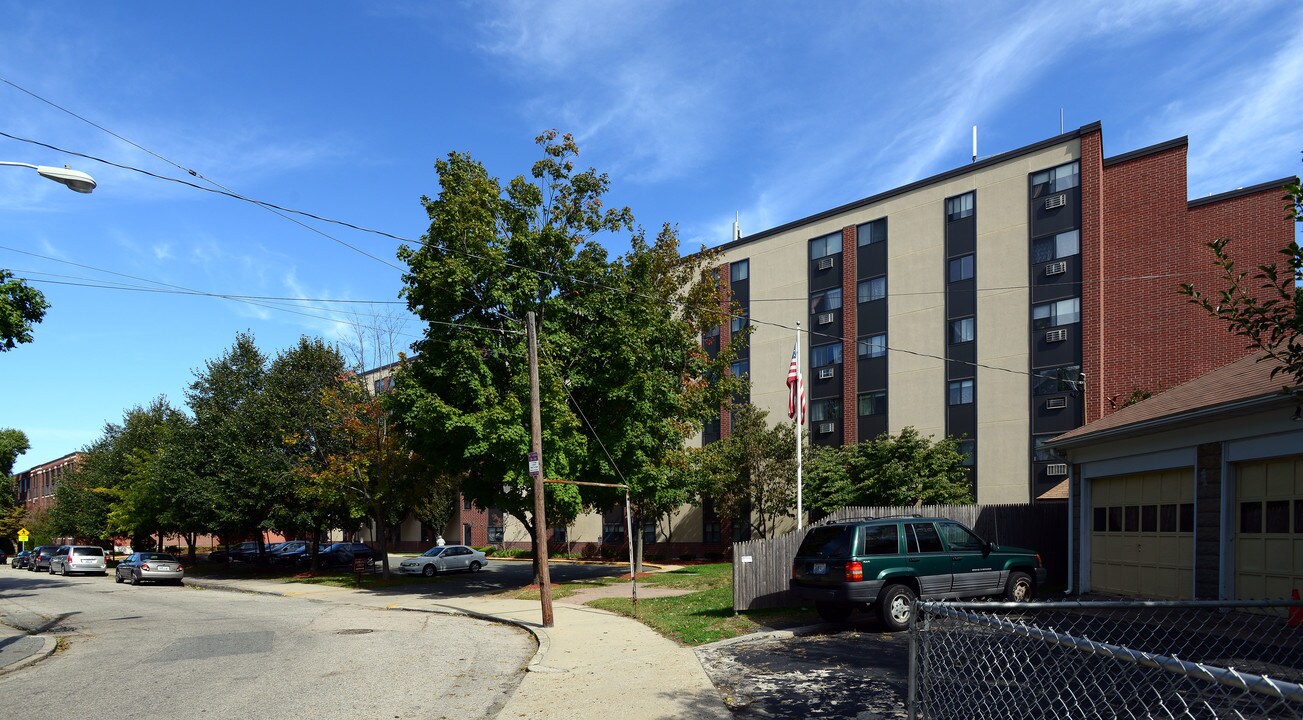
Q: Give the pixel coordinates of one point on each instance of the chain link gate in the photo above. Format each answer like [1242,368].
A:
[1106,659]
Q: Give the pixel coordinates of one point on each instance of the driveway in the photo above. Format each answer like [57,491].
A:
[853,670]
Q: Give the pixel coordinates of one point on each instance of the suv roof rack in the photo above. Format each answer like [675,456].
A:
[855,518]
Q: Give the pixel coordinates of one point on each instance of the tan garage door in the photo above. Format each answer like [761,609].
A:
[1142,534]
[1269,530]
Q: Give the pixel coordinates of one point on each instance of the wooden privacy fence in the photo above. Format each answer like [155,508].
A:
[762,568]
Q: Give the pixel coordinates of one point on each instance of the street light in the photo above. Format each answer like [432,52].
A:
[73,179]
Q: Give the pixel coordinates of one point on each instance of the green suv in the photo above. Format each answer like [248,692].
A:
[887,562]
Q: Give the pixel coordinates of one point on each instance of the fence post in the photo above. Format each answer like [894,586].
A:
[911,698]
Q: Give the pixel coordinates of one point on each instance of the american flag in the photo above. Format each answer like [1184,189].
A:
[795,387]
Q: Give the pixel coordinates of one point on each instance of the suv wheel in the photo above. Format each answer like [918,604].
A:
[894,607]
[1020,587]
[833,612]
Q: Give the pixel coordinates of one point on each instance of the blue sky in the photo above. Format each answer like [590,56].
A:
[696,110]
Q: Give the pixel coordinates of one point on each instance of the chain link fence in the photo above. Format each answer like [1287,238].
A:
[1107,659]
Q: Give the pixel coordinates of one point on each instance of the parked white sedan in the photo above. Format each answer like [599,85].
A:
[446,558]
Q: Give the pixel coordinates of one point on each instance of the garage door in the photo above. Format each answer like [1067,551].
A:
[1269,533]
[1142,535]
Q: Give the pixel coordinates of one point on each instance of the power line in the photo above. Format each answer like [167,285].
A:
[544,273]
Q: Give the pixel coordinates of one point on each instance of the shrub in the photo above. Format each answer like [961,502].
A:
[688,557]
[714,556]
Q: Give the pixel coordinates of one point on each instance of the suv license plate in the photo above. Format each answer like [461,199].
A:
[165,568]
[819,569]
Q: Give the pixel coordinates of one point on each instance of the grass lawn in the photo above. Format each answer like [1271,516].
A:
[705,614]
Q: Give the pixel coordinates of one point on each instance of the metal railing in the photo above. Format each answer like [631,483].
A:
[1107,659]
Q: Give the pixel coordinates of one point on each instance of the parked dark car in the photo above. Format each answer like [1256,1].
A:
[21,559]
[343,553]
[885,563]
[41,555]
[4,557]
[297,553]
[239,551]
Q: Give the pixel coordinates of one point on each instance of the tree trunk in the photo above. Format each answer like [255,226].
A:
[190,546]
[382,539]
[637,547]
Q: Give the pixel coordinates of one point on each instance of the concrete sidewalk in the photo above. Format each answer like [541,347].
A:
[19,649]
[590,664]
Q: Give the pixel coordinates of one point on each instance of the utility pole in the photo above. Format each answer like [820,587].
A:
[536,443]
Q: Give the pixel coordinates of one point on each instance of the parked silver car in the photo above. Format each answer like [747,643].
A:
[71,559]
[445,558]
[151,566]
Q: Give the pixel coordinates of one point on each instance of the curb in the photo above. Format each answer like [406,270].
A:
[769,635]
[540,635]
[48,645]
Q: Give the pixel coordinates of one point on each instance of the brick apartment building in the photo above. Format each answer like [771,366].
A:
[35,487]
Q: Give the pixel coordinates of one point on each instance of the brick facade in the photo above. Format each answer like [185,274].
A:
[1140,334]
[850,304]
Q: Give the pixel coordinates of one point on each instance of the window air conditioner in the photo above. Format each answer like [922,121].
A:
[825,318]
[1056,268]
[826,427]
[1056,335]
[1056,469]
[1056,201]
[825,263]
[825,373]
[1056,403]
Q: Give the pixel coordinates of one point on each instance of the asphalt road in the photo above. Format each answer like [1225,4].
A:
[500,575]
[168,652]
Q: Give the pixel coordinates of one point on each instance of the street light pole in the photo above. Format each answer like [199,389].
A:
[72,179]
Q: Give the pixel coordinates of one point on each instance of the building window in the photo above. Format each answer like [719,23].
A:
[1054,314]
[958,208]
[559,535]
[825,410]
[648,533]
[466,534]
[1055,179]
[496,533]
[612,531]
[963,330]
[710,530]
[1040,453]
[872,346]
[384,384]
[826,301]
[739,321]
[1053,247]
[827,245]
[742,368]
[968,449]
[741,530]
[871,289]
[961,392]
[825,355]
[874,403]
[871,232]
[739,270]
[465,502]
[961,268]
[1055,380]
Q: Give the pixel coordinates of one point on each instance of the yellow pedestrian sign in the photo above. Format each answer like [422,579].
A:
[23,535]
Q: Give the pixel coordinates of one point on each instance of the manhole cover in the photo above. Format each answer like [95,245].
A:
[354,631]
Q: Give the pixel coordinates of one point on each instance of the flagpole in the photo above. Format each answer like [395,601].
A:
[799,419]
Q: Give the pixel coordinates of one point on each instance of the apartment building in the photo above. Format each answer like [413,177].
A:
[35,487]
[1001,303]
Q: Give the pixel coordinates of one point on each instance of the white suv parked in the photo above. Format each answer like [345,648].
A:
[78,559]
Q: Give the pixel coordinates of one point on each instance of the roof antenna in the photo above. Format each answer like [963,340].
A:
[737,227]
[1060,120]
[974,143]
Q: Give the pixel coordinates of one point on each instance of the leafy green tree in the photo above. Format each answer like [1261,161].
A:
[492,254]
[12,444]
[21,307]
[902,470]
[750,476]
[236,444]
[1267,309]
[308,434]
